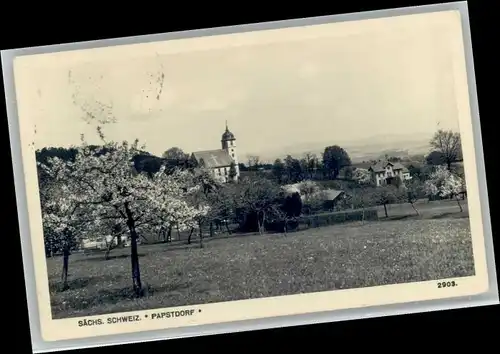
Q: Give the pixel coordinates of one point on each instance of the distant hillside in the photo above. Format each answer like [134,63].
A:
[379,151]
[361,150]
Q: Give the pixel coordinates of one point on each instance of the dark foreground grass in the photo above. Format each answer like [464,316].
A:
[329,258]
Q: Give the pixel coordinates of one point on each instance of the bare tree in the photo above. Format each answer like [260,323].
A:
[311,163]
[253,162]
[386,195]
[449,144]
[414,189]
[259,196]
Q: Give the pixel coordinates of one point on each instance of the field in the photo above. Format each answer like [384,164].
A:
[440,209]
[336,257]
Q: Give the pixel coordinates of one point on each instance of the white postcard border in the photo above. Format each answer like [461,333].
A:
[39,345]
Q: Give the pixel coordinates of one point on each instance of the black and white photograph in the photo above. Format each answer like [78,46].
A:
[251,165]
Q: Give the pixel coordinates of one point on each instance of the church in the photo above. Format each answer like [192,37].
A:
[220,161]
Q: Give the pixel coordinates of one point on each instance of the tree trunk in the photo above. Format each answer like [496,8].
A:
[169,234]
[385,210]
[109,247]
[259,226]
[459,205]
[211,229]
[136,274]
[178,234]
[227,227]
[189,237]
[200,232]
[413,206]
[163,234]
[64,277]
[108,251]
[134,256]
[362,206]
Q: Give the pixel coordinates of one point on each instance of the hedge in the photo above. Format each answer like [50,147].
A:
[324,219]
[338,217]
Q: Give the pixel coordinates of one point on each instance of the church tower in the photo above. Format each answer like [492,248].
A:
[229,144]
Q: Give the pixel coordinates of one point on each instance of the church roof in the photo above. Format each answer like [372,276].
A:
[227,135]
[214,158]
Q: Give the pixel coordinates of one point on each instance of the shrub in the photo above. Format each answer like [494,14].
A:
[279,226]
[325,219]
[314,205]
[292,205]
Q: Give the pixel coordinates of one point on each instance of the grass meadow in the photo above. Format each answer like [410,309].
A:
[399,249]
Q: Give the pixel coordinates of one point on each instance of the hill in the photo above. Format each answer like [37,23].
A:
[374,147]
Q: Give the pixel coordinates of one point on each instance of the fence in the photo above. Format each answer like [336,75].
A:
[324,219]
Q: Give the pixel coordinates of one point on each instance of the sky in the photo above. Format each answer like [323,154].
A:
[368,80]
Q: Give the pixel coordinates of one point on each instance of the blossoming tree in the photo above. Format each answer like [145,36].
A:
[206,188]
[362,176]
[103,184]
[172,201]
[444,184]
[62,225]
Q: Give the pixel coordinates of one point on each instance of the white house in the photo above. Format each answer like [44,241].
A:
[383,172]
[102,242]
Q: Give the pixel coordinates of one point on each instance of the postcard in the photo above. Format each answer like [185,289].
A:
[216,179]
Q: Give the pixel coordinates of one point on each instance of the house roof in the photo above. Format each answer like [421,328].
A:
[214,158]
[331,194]
[325,194]
[380,166]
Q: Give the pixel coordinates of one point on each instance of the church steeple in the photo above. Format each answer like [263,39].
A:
[227,136]
[229,144]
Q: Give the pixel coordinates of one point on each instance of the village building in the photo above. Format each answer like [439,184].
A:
[101,243]
[330,198]
[220,161]
[384,172]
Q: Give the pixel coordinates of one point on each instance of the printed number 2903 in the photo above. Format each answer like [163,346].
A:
[446,284]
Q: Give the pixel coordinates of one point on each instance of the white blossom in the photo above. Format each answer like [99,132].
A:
[362,176]
[443,183]
[102,184]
